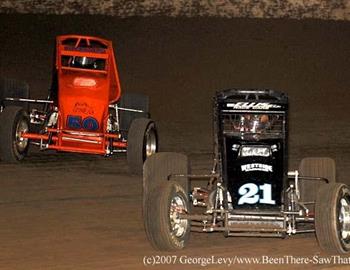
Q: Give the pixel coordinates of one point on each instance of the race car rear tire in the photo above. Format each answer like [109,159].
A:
[160,166]
[332,218]
[316,167]
[134,101]
[11,88]
[142,143]
[13,121]
[164,229]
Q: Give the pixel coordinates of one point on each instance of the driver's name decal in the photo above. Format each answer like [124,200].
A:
[256,167]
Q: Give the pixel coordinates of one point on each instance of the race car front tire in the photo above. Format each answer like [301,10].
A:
[165,230]
[13,122]
[332,218]
[158,169]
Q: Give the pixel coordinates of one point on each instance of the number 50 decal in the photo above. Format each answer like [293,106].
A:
[76,122]
[250,194]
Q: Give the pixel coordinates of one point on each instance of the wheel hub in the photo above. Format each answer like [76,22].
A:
[178,225]
[151,142]
[344,218]
[21,142]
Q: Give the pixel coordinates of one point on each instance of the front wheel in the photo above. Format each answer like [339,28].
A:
[14,121]
[165,229]
[332,218]
[142,143]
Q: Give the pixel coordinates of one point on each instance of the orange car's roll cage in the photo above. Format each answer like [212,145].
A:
[106,53]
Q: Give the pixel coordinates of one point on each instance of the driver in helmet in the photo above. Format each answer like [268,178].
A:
[84,62]
[253,123]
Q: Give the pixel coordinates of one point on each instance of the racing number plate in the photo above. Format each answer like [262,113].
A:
[77,122]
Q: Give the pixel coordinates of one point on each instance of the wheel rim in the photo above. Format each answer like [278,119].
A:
[151,141]
[178,226]
[21,143]
[344,220]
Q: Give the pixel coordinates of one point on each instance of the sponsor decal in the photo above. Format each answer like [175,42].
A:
[256,167]
[84,49]
[253,106]
[83,107]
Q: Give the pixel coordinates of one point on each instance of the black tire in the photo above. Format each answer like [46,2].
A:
[315,167]
[15,89]
[158,167]
[134,101]
[142,143]
[332,218]
[160,218]
[156,170]
[13,120]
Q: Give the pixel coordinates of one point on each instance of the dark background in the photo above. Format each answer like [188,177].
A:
[181,62]
[67,211]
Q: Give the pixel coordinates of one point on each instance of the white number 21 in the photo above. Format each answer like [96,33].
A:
[250,194]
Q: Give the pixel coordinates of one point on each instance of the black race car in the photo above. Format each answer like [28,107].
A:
[249,191]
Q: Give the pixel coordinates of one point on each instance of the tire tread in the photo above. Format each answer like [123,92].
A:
[326,218]
[7,121]
[156,218]
[135,145]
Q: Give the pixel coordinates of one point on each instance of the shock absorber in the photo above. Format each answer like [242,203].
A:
[292,208]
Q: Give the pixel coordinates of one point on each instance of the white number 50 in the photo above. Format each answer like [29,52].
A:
[250,194]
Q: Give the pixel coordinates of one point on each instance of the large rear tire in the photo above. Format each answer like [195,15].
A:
[135,101]
[13,122]
[10,88]
[142,143]
[332,218]
[316,167]
[164,228]
[160,166]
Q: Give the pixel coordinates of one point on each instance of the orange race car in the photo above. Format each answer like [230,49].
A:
[84,111]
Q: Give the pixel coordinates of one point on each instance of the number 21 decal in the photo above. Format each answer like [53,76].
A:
[250,194]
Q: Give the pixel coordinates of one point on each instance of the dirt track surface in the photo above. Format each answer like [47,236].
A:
[65,211]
